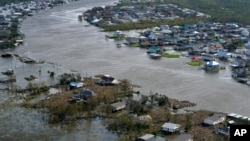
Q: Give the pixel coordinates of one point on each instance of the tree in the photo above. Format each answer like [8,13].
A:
[162,100]
[126,88]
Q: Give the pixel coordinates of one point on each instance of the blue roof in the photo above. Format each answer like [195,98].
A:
[74,84]
[153,48]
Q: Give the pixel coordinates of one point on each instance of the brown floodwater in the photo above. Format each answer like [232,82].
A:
[57,36]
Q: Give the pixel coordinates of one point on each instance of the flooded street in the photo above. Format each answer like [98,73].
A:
[57,36]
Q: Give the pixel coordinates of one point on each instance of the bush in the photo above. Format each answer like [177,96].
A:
[166,55]
[195,63]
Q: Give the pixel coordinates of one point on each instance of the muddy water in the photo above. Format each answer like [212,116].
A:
[57,36]
[17,123]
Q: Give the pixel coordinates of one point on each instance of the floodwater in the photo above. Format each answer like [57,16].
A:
[57,36]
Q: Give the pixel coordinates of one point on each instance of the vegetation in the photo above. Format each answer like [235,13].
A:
[126,124]
[8,72]
[220,10]
[150,24]
[37,88]
[9,38]
[66,78]
[135,45]
[138,108]
[167,55]
[195,63]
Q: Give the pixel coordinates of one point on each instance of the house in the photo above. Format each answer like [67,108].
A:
[146,137]
[212,66]
[247,46]
[222,55]
[132,40]
[224,130]
[238,63]
[74,85]
[150,137]
[83,96]
[170,127]
[118,106]
[214,119]
[184,137]
[153,49]
[107,80]
[196,58]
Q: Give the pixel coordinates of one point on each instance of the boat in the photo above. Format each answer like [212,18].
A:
[154,55]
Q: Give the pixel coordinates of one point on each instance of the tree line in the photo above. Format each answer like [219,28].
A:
[220,10]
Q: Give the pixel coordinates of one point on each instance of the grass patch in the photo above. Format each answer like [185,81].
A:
[166,55]
[195,63]
[135,45]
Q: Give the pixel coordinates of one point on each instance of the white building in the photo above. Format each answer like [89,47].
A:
[214,119]
[170,127]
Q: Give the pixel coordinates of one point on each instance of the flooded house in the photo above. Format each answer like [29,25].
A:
[107,80]
[74,85]
[214,119]
[222,55]
[247,46]
[212,66]
[170,127]
[150,137]
[132,40]
[118,106]
[82,96]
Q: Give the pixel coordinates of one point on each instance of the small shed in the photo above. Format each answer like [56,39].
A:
[214,119]
[170,127]
[118,106]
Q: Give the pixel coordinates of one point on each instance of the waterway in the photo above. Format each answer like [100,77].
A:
[57,36]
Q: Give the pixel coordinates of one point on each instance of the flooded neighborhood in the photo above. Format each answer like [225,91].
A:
[69,50]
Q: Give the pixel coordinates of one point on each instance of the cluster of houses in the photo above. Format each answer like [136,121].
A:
[209,42]
[222,121]
[115,15]
[84,95]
